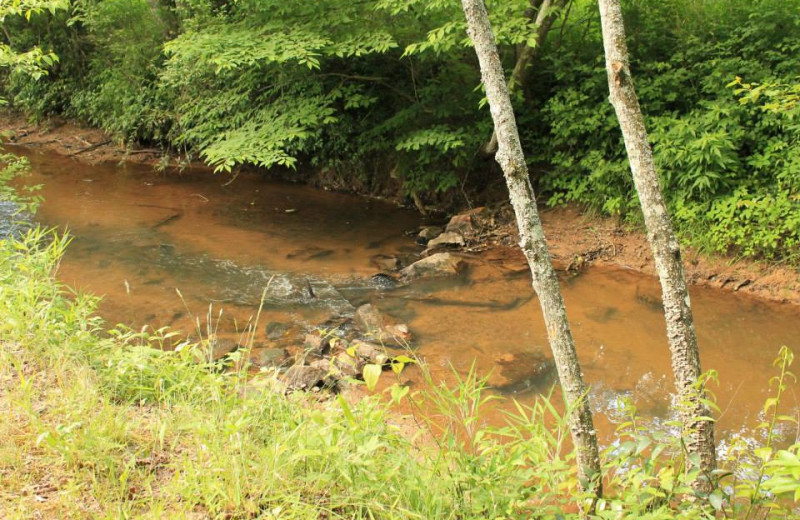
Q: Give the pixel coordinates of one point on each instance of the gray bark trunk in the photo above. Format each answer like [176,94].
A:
[546,14]
[545,282]
[698,432]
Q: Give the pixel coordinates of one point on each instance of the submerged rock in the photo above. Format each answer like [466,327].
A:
[276,330]
[603,315]
[370,321]
[383,281]
[523,372]
[310,253]
[268,357]
[241,284]
[385,262]
[12,223]
[439,264]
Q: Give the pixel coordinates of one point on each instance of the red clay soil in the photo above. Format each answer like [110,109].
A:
[575,239]
[89,145]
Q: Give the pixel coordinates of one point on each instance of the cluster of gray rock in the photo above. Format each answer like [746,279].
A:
[440,257]
[329,360]
[324,359]
[459,231]
[338,353]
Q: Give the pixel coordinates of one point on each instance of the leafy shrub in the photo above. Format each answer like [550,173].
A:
[729,168]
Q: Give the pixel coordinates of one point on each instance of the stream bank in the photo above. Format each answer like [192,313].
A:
[209,258]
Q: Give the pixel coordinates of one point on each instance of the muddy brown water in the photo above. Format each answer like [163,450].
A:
[140,235]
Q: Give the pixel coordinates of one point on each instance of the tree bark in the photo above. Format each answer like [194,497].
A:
[532,242]
[546,13]
[698,429]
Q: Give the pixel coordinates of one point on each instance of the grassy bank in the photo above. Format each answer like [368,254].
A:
[102,423]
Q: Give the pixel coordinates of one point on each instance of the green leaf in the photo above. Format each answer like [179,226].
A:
[372,373]
[716,499]
[398,393]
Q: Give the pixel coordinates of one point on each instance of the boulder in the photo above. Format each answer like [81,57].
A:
[479,213]
[439,264]
[447,239]
[316,344]
[383,281]
[398,334]
[340,366]
[219,347]
[460,224]
[302,377]
[324,364]
[347,365]
[428,233]
[268,357]
[464,223]
[371,353]
[368,318]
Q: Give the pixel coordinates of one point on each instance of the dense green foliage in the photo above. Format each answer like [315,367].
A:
[730,169]
[31,62]
[106,424]
[390,88]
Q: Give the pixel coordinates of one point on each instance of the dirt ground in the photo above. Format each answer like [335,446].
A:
[576,240]
[89,145]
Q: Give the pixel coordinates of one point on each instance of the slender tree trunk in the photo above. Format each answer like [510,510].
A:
[698,428]
[545,283]
[546,13]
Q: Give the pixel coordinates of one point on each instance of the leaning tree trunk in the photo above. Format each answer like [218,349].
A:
[697,425]
[545,282]
[546,14]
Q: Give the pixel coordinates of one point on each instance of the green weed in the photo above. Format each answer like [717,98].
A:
[110,424]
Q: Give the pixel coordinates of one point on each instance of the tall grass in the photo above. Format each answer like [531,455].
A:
[108,424]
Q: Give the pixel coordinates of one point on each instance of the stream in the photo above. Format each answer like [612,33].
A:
[140,235]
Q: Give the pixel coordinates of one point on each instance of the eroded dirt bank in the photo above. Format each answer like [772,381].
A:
[576,240]
[89,145]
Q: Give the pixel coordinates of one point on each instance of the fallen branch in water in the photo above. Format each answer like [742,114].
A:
[90,148]
[145,150]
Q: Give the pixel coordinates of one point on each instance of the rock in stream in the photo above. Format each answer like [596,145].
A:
[11,222]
